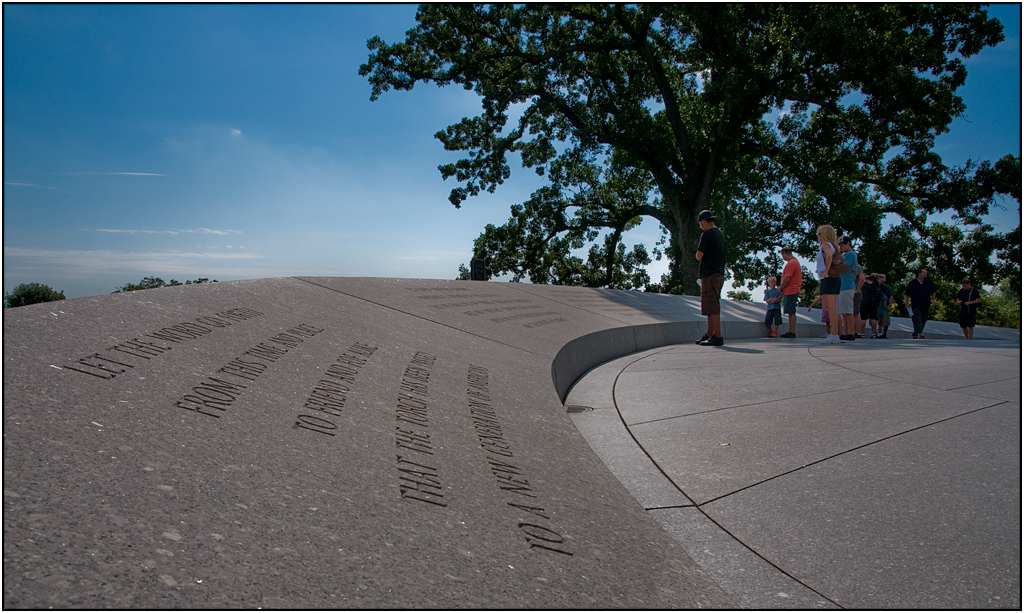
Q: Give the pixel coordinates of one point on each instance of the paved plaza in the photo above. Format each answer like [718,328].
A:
[875,474]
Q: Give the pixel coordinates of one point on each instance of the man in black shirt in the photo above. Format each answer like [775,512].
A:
[920,296]
[871,295]
[711,255]
[969,298]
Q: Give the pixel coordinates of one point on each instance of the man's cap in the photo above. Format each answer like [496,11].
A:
[706,215]
[845,240]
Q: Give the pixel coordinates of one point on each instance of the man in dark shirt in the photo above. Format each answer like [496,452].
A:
[883,307]
[920,296]
[871,295]
[969,298]
[711,255]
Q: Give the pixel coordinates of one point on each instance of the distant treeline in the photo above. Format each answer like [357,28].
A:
[34,293]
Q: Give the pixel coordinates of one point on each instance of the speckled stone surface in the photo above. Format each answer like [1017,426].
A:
[321,443]
[371,443]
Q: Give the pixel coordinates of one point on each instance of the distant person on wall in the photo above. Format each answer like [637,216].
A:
[829,288]
[969,298]
[871,296]
[773,312]
[920,297]
[849,283]
[792,281]
[711,255]
[884,306]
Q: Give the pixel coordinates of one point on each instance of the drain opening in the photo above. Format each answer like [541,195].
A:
[576,408]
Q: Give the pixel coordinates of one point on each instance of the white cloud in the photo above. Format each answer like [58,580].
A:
[76,255]
[138,174]
[92,272]
[235,132]
[34,185]
[197,231]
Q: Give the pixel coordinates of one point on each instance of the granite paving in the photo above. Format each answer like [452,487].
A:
[879,474]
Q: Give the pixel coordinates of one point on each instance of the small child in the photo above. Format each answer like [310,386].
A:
[773,314]
[824,314]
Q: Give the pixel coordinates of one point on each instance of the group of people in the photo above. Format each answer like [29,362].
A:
[846,291]
[850,297]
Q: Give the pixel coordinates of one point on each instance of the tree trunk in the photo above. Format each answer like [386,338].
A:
[685,237]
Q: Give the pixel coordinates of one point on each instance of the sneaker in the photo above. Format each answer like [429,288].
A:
[702,339]
[787,335]
[714,341]
[883,336]
[860,335]
[914,335]
[874,336]
[921,335]
[847,337]
[829,339]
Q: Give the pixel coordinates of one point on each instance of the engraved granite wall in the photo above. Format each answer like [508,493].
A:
[329,442]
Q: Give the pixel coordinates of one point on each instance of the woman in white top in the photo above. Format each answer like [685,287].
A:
[829,289]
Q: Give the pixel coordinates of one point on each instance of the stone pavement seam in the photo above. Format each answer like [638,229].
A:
[736,406]
[842,453]
[699,505]
[621,385]
[420,317]
[696,505]
[953,389]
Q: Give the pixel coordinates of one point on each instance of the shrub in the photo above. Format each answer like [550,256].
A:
[31,293]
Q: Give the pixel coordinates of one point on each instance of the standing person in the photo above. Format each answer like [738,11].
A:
[969,298]
[858,278]
[829,288]
[884,306]
[849,283]
[773,312]
[792,281]
[711,255]
[920,296]
[871,296]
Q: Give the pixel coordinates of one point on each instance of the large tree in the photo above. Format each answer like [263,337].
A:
[776,117]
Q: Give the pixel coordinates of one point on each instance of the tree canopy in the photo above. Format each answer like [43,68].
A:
[31,293]
[155,282]
[778,117]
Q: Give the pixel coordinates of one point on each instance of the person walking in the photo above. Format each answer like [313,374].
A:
[792,281]
[773,310]
[711,255]
[829,287]
[920,296]
[884,306]
[969,298]
[871,296]
[849,283]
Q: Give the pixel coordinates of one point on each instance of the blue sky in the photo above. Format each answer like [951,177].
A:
[239,141]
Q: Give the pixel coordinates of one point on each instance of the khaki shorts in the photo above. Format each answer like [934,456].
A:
[845,302]
[711,294]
